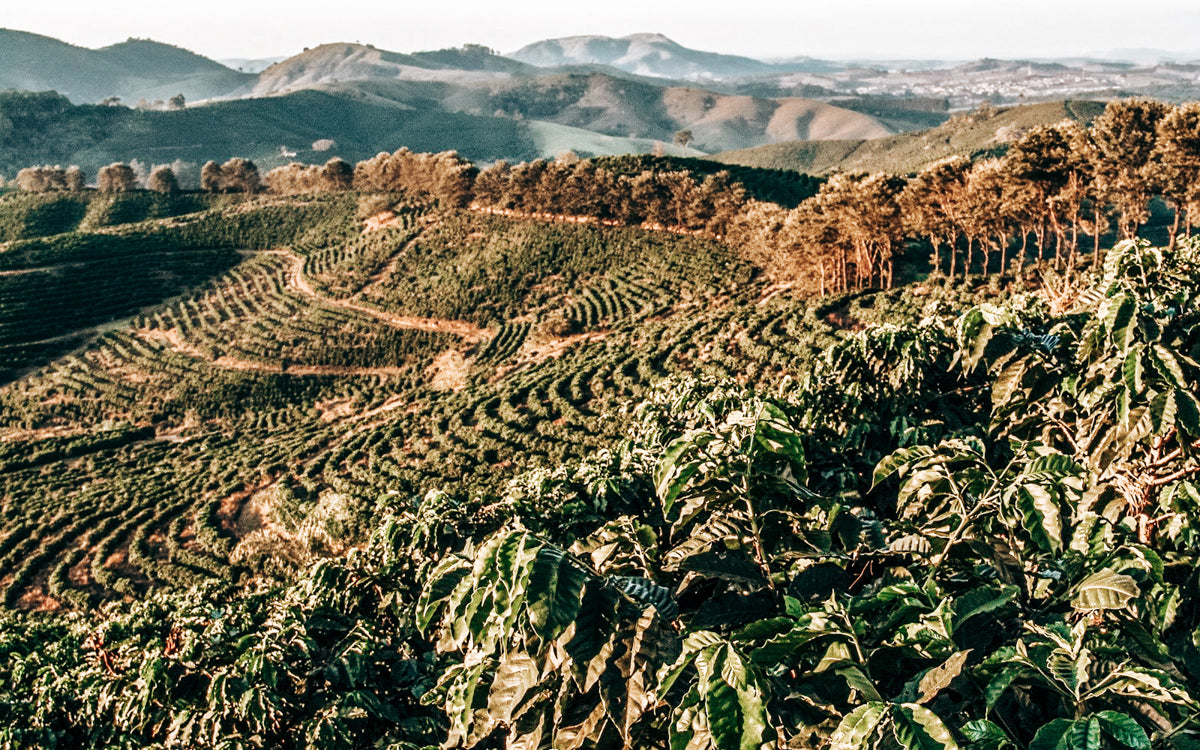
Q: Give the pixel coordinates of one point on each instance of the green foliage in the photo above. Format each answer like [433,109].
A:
[782,186]
[942,533]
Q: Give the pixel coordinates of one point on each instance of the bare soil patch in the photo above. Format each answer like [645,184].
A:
[449,370]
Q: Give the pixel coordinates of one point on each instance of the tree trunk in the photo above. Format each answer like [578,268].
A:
[1174,226]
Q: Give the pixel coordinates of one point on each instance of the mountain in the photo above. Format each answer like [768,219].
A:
[625,108]
[342,62]
[250,64]
[135,69]
[977,134]
[643,54]
[46,128]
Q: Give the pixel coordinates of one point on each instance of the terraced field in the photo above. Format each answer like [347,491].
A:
[258,404]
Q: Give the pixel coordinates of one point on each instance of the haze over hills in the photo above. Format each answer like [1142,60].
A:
[590,94]
[131,70]
[981,133]
[342,62]
[643,54]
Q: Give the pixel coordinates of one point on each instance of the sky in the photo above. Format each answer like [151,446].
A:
[845,29]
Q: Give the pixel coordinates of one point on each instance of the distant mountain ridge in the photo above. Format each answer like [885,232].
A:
[978,134]
[133,69]
[642,54]
[344,62]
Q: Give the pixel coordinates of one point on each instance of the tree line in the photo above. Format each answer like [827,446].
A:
[1058,189]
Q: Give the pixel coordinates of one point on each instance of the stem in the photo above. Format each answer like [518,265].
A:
[759,554]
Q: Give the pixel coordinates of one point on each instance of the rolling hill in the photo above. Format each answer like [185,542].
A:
[626,108]
[47,129]
[131,70]
[337,63]
[643,54]
[976,134]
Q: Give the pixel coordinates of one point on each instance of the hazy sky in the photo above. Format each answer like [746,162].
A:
[761,28]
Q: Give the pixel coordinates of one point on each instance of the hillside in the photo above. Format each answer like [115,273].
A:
[391,474]
[45,129]
[980,133]
[339,63]
[527,333]
[643,54]
[627,108]
[515,120]
[132,70]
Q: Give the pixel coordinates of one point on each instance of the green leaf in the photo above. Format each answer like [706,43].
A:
[979,601]
[1000,684]
[1105,589]
[1162,411]
[1053,465]
[1168,366]
[555,589]
[1119,319]
[1040,511]
[665,472]
[1048,736]
[516,675]
[900,460]
[1133,369]
[1007,382]
[1187,412]
[854,676]
[775,434]
[1124,730]
[1083,734]
[676,484]
[918,728]
[695,644]
[984,732]
[858,728]
[443,580]
[736,713]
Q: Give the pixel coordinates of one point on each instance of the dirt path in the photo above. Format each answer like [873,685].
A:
[40,269]
[389,268]
[171,338]
[469,332]
[575,219]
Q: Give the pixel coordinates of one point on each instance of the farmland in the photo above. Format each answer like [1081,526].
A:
[361,470]
[445,348]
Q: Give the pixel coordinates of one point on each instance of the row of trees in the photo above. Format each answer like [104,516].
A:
[1055,186]
[117,177]
[446,177]
[675,199]
[293,179]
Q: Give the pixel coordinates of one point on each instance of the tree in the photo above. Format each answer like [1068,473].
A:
[338,175]
[1040,161]
[239,176]
[1125,137]
[1176,173]
[41,179]
[162,180]
[74,179]
[177,102]
[117,177]
[932,206]
[211,177]
[683,138]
